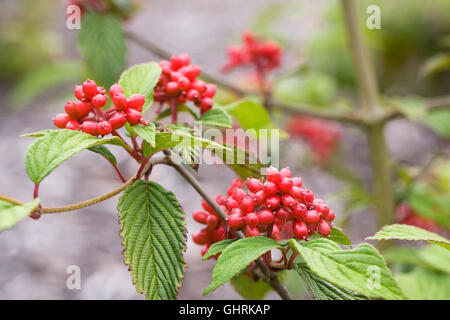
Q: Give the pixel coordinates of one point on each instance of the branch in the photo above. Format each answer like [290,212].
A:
[301,109]
[271,277]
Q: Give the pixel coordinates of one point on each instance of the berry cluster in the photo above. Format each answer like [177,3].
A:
[323,136]
[91,99]
[278,207]
[178,83]
[406,215]
[264,55]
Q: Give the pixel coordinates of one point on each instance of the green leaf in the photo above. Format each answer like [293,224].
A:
[141,78]
[406,232]
[104,152]
[237,256]
[436,257]
[153,234]
[36,134]
[403,255]
[11,214]
[337,236]
[217,247]
[361,269]
[180,140]
[422,284]
[250,289]
[323,290]
[56,146]
[250,115]
[216,117]
[147,133]
[102,43]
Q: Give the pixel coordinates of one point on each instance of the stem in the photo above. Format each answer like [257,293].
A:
[36,190]
[271,277]
[132,153]
[174,111]
[118,172]
[10,200]
[368,95]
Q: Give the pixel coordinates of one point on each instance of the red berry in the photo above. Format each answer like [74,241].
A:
[73,125]
[238,194]
[265,217]
[90,88]
[101,91]
[184,59]
[90,127]
[308,196]
[104,128]
[230,203]
[200,216]
[323,228]
[329,217]
[254,185]
[273,202]
[199,85]
[297,182]
[60,120]
[270,188]
[237,183]
[235,221]
[237,211]
[133,116]
[118,120]
[115,88]
[311,217]
[184,83]
[71,110]
[176,62]
[288,201]
[205,249]
[192,71]
[120,101]
[259,197]
[283,214]
[207,207]
[79,94]
[172,88]
[276,233]
[251,219]
[299,211]
[83,109]
[251,232]
[193,95]
[300,230]
[219,234]
[212,221]
[323,209]
[99,100]
[206,104]
[286,173]
[247,205]
[200,237]
[285,185]
[273,175]
[297,193]
[210,90]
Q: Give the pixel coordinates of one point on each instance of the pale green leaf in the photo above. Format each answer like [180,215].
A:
[147,133]
[216,117]
[361,269]
[422,284]
[217,247]
[249,288]
[436,257]
[141,78]
[11,214]
[102,43]
[336,235]
[237,256]
[323,290]
[411,233]
[49,151]
[153,234]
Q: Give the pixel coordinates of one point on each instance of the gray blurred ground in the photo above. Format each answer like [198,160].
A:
[34,255]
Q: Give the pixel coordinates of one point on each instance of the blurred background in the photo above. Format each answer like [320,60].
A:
[41,60]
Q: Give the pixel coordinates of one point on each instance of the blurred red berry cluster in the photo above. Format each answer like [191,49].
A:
[277,207]
[264,55]
[322,136]
[404,214]
[178,84]
[87,114]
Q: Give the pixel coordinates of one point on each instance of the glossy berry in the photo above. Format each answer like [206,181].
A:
[251,231]
[79,94]
[90,127]
[133,116]
[238,194]
[288,201]
[299,211]
[73,125]
[251,219]
[99,101]
[118,120]
[254,185]
[273,202]
[83,109]
[104,128]
[247,205]
[270,188]
[90,88]
[115,88]
[71,110]
[60,120]
[235,221]
[323,228]
[200,216]
[273,175]
[136,101]
[120,101]
[286,173]
[266,217]
[300,230]
[285,185]
[311,217]
[200,237]
[212,221]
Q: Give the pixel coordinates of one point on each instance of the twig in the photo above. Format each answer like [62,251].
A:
[302,109]
[271,277]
